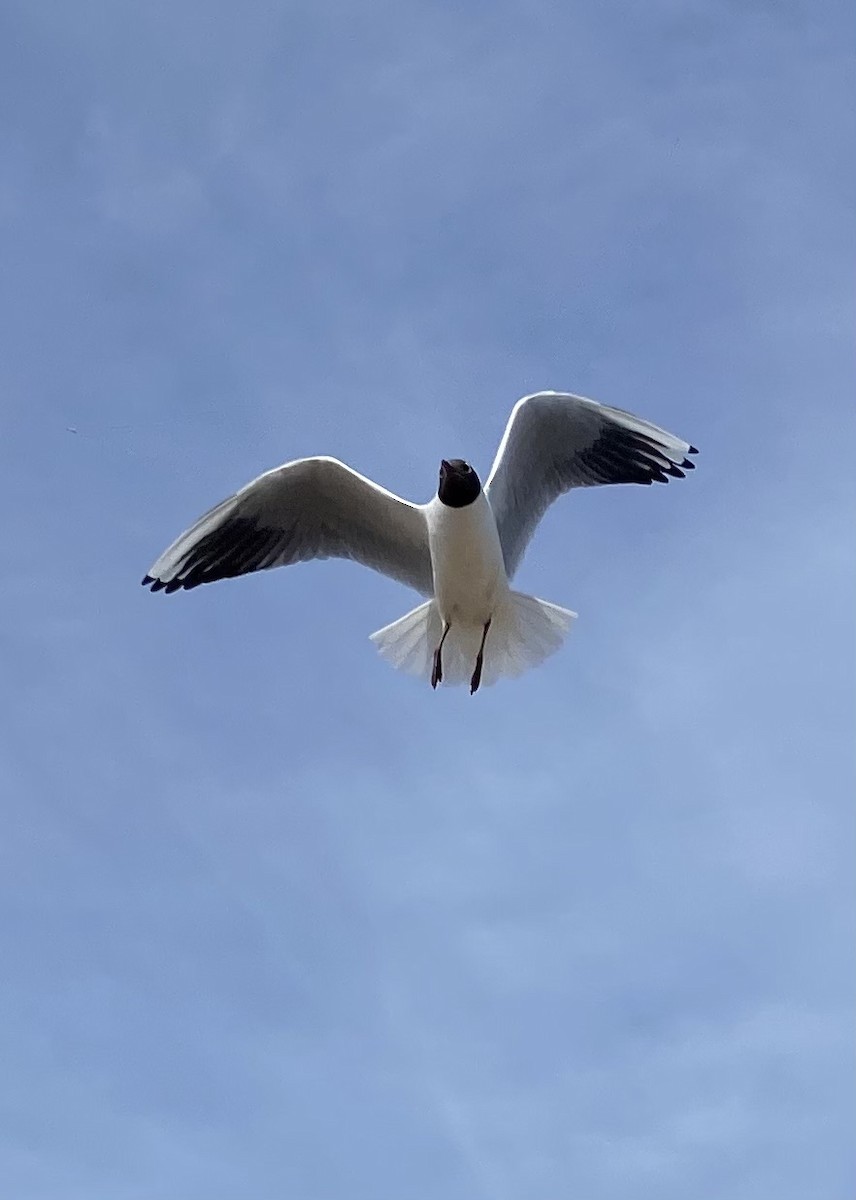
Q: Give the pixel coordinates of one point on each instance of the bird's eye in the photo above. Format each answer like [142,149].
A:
[466,468]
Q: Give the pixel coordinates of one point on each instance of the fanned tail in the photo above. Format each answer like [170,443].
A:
[523,632]
[408,644]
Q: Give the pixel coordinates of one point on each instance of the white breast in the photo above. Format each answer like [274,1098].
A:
[466,555]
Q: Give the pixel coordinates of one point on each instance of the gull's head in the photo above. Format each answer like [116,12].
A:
[459,484]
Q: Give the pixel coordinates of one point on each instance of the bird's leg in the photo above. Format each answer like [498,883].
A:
[437,670]
[477,673]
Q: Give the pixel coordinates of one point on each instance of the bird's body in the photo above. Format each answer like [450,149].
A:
[461,549]
[466,560]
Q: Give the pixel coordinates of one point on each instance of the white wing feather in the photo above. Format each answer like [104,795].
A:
[555,441]
[311,508]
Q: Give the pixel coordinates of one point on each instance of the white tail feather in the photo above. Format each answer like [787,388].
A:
[523,632]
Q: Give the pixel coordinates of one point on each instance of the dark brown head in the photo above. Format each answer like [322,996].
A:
[459,484]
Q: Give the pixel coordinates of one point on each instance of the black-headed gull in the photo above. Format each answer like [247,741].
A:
[461,549]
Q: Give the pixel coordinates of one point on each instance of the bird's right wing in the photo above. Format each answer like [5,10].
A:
[555,441]
[311,508]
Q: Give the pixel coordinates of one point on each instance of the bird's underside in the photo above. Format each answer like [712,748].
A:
[319,508]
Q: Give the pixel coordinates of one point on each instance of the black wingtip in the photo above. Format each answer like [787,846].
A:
[693,450]
[155,584]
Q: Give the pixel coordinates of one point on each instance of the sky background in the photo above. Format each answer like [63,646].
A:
[275,920]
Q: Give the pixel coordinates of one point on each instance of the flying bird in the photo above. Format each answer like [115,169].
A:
[460,550]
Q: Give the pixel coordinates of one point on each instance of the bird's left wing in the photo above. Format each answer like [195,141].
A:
[311,508]
[554,442]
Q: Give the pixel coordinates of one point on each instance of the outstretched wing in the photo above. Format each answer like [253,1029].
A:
[311,508]
[554,442]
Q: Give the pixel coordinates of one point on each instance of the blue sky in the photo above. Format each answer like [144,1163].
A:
[277,921]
